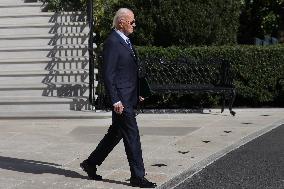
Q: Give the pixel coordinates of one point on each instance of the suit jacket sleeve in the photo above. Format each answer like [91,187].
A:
[110,61]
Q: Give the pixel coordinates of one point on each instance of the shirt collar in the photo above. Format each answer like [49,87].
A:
[122,35]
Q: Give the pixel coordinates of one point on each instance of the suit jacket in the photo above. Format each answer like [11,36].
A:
[120,71]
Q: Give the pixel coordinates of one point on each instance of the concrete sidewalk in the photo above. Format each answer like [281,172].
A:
[45,153]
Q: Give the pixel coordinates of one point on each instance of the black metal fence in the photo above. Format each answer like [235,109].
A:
[92,57]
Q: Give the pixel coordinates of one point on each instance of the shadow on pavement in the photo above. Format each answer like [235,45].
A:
[40,167]
[36,167]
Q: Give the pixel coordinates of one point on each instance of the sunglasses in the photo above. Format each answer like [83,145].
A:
[132,22]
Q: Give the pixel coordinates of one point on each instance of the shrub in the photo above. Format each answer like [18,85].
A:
[259,19]
[64,5]
[183,22]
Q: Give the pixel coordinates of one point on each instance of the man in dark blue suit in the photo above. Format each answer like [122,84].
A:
[120,71]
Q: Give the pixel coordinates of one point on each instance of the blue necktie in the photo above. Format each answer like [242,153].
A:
[130,45]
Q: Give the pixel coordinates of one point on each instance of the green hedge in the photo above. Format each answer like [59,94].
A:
[259,19]
[256,70]
[181,22]
[64,5]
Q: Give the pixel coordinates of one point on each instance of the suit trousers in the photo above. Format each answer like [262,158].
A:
[124,127]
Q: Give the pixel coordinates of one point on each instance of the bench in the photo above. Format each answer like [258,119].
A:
[185,76]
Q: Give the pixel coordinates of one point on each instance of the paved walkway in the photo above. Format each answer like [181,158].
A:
[45,153]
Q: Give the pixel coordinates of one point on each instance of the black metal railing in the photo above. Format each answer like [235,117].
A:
[90,19]
[185,74]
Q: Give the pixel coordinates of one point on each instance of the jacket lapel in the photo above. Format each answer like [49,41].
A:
[133,52]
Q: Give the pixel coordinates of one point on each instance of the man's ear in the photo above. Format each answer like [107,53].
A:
[120,25]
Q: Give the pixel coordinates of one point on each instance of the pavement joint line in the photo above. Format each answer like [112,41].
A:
[197,167]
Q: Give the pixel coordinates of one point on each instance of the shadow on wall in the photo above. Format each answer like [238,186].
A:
[68,66]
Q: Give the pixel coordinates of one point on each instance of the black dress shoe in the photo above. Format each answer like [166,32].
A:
[90,170]
[141,182]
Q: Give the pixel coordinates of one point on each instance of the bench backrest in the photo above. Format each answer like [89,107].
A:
[187,74]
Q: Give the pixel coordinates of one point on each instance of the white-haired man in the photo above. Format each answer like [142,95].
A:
[120,71]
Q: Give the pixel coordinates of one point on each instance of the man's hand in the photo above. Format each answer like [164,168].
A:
[141,98]
[118,108]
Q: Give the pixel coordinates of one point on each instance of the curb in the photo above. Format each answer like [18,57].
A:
[174,182]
